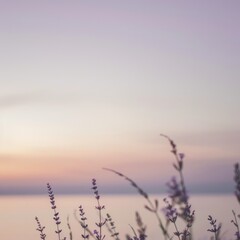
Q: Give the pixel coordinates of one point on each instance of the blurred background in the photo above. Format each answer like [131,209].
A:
[91,84]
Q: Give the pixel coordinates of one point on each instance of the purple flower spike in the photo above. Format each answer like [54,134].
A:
[181,156]
[170,212]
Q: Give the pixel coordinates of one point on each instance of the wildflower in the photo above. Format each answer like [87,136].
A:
[215,229]
[176,193]
[40,229]
[170,212]
[235,222]
[237,235]
[99,207]
[152,207]
[186,234]
[53,206]
[94,187]
[237,181]
[97,235]
[141,227]
[181,156]
[83,222]
[188,215]
[112,228]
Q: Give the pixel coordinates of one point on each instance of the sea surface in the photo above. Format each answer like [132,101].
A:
[17,215]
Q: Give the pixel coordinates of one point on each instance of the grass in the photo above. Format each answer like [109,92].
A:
[177,208]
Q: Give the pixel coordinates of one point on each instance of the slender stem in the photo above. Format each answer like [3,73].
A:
[70,230]
[58,229]
[234,214]
[145,195]
[182,182]
[175,225]
[236,224]
[100,219]
[165,233]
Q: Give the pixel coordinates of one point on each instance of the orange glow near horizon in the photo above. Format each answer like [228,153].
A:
[86,85]
[144,162]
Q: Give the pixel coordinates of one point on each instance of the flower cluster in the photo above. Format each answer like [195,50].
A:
[189,215]
[95,188]
[54,207]
[99,207]
[215,228]
[176,207]
[212,222]
[83,222]
[40,229]
[170,212]
[175,191]
[141,227]
[111,227]
[237,181]
[98,235]
[152,206]
[135,238]
[235,222]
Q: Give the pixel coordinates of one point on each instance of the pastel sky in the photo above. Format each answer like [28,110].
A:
[92,84]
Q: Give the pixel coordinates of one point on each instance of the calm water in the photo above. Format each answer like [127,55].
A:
[17,214]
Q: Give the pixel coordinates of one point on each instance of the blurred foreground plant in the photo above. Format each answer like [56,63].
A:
[176,207]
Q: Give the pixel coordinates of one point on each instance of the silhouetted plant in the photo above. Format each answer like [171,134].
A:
[235,222]
[141,227]
[177,190]
[40,229]
[152,206]
[110,224]
[176,207]
[56,214]
[70,229]
[98,234]
[237,194]
[237,181]
[135,236]
[83,222]
[215,228]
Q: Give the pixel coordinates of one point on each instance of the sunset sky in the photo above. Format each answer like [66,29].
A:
[92,84]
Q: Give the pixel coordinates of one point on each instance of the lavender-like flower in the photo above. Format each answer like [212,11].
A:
[235,222]
[237,181]
[169,211]
[97,235]
[177,189]
[171,214]
[152,206]
[215,228]
[189,215]
[141,227]
[40,229]
[83,222]
[175,192]
[56,214]
[99,207]
[111,227]
[136,237]
[70,229]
